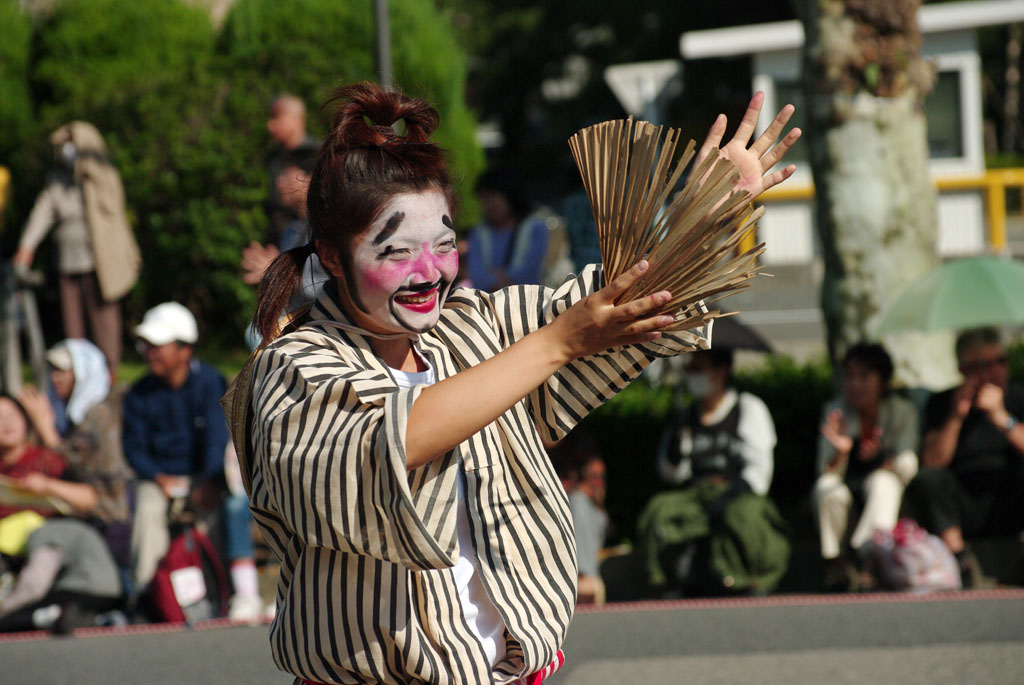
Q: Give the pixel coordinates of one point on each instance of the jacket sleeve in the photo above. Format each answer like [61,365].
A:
[213,432]
[757,431]
[95,446]
[586,383]
[329,445]
[40,221]
[904,427]
[133,441]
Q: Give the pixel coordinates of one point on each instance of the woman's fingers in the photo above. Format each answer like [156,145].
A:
[777,177]
[637,308]
[749,122]
[768,137]
[776,153]
[714,138]
[648,325]
[616,288]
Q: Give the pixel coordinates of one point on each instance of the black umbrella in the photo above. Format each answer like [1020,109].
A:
[731,333]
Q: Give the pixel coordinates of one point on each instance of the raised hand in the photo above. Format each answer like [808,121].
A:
[41,413]
[837,432]
[255,260]
[753,162]
[597,323]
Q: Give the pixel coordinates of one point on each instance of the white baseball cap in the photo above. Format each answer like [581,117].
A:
[168,322]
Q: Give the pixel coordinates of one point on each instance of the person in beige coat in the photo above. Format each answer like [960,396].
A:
[97,257]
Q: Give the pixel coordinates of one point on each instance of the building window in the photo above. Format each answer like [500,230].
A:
[945,125]
[790,93]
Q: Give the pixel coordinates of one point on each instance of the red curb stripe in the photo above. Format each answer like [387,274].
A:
[134,629]
[802,600]
[30,636]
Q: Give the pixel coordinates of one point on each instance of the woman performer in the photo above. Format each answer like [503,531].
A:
[391,437]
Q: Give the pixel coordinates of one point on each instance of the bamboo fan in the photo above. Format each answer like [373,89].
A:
[689,238]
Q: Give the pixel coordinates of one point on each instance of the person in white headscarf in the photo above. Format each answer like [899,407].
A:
[91,444]
[71,574]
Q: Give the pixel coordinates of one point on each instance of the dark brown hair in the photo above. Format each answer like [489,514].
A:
[873,357]
[363,163]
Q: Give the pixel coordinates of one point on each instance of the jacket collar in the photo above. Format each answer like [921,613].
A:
[355,345]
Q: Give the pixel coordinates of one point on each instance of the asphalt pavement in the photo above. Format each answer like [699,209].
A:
[970,637]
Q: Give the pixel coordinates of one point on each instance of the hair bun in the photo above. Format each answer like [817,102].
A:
[370,116]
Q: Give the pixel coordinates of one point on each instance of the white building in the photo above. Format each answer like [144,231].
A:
[971,203]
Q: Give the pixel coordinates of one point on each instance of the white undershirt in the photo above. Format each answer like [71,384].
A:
[483,619]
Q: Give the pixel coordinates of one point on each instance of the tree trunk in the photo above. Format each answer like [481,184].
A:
[864,84]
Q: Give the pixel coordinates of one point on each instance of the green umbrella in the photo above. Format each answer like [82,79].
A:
[965,293]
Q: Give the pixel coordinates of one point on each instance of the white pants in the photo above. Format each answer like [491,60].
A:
[151,537]
[883,492]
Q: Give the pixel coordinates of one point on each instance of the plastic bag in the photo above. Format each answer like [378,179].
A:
[909,559]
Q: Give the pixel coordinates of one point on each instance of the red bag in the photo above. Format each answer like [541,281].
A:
[190,583]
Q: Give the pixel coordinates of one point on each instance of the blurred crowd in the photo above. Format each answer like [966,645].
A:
[127,504]
[902,490]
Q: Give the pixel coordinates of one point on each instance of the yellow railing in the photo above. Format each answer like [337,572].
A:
[5,182]
[994,182]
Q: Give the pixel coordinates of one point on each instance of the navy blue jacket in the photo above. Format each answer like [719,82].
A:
[176,431]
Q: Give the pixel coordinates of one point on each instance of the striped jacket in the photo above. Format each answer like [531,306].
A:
[366,592]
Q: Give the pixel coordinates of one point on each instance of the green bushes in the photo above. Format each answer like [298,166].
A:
[183,108]
[15,101]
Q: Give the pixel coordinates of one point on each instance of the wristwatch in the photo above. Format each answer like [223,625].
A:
[1010,423]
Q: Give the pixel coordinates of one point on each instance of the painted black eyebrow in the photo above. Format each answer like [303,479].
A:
[446,220]
[389,228]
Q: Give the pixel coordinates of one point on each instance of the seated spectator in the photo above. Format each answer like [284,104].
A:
[866,455]
[20,458]
[972,474]
[510,246]
[578,463]
[175,439]
[71,575]
[718,532]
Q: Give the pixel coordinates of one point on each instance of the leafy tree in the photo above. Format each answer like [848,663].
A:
[15,99]
[313,46]
[184,112]
[143,73]
[518,45]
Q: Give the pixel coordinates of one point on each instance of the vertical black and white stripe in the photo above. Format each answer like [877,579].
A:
[366,592]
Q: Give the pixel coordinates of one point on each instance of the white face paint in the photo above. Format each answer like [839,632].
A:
[402,267]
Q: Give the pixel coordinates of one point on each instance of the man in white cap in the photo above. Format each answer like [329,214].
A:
[175,438]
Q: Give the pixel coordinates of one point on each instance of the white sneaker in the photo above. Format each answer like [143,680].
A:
[245,609]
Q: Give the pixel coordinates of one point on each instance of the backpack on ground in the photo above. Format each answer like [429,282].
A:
[190,584]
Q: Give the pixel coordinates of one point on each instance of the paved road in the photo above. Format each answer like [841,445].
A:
[777,640]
